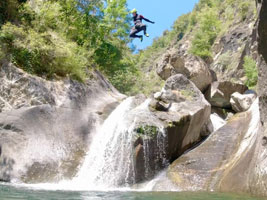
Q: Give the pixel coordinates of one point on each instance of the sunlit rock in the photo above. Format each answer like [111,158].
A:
[241,103]
[46,126]
[164,134]
[219,93]
[221,162]
[180,62]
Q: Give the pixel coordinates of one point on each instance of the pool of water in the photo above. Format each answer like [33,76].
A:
[8,192]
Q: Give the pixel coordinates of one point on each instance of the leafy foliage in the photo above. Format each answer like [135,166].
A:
[209,20]
[209,28]
[43,54]
[146,131]
[251,72]
[64,37]
[244,8]
[8,10]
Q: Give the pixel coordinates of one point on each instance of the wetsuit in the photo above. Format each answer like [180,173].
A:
[138,26]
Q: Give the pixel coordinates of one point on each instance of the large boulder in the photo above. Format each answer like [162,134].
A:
[241,103]
[221,162]
[45,125]
[219,93]
[162,135]
[194,68]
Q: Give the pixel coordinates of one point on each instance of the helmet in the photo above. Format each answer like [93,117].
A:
[134,11]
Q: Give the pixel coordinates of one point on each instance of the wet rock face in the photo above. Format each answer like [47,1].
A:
[163,135]
[45,125]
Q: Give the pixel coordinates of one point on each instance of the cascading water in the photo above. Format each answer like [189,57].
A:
[110,160]
[106,164]
[110,164]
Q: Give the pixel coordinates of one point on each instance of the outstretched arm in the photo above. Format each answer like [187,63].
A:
[147,20]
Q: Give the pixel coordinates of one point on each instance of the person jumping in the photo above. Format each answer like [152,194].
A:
[138,26]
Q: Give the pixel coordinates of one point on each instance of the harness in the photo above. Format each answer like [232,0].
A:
[137,19]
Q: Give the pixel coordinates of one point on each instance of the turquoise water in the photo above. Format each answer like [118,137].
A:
[14,193]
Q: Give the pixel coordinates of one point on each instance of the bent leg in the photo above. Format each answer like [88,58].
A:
[143,27]
[133,33]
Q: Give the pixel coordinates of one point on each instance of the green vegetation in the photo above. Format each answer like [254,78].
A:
[8,10]
[251,72]
[224,61]
[61,38]
[244,8]
[209,20]
[209,28]
[67,37]
[146,130]
[44,54]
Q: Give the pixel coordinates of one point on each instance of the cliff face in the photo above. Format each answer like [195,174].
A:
[262,60]
[258,168]
[227,55]
[46,126]
[244,168]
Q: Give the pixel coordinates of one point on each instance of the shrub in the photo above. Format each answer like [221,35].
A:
[43,54]
[251,71]
[181,24]
[8,10]
[225,60]
[193,19]
[244,9]
[204,38]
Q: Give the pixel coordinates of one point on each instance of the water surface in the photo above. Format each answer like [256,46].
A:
[8,192]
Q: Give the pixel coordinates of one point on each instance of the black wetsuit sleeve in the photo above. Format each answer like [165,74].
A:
[147,19]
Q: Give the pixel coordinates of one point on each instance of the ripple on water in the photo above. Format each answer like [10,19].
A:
[9,192]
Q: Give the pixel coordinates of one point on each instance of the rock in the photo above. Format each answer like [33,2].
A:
[162,136]
[46,126]
[157,95]
[217,121]
[230,52]
[221,162]
[219,93]
[164,69]
[200,73]
[241,103]
[180,62]
[207,129]
[159,105]
[257,174]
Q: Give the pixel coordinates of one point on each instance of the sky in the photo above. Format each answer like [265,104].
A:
[162,12]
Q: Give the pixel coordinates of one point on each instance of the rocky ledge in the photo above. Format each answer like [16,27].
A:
[46,126]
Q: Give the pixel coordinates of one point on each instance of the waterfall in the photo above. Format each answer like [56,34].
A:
[106,164]
[109,164]
[110,160]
